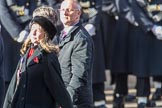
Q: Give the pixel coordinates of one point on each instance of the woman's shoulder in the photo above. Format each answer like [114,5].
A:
[53,61]
[52,57]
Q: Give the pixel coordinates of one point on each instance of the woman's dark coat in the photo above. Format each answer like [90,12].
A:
[40,86]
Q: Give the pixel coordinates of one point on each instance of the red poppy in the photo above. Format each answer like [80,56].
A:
[31,52]
[36,60]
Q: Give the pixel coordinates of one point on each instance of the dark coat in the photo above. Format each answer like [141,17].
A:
[76,59]
[107,29]
[95,18]
[2,89]
[123,45]
[149,47]
[121,60]
[40,86]
[99,55]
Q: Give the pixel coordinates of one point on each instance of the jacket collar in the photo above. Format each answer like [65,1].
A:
[37,53]
[70,35]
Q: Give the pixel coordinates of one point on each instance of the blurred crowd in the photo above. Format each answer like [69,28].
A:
[127,37]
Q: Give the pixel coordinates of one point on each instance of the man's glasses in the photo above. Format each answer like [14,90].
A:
[68,10]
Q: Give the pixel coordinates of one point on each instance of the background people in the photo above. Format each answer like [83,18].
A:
[149,44]
[91,23]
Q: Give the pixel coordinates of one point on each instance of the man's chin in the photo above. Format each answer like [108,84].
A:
[66,24]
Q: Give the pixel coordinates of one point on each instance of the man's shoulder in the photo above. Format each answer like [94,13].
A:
[82,33]
[79,34]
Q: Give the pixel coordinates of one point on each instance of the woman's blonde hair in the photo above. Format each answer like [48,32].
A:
[46,43]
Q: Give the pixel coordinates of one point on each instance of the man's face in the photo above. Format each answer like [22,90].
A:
[69,13]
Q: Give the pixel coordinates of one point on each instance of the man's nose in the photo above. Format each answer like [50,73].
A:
[34,33]
[65,12]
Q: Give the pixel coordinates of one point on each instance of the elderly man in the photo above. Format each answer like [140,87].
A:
[76,55]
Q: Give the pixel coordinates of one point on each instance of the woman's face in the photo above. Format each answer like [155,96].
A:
[36,33]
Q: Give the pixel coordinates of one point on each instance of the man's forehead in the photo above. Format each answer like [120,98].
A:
[68,3]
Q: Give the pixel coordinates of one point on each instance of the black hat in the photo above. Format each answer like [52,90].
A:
[46,24]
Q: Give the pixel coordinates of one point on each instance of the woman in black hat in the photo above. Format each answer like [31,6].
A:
[37,82]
